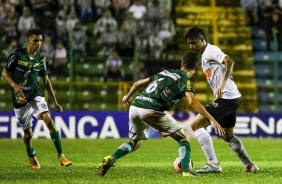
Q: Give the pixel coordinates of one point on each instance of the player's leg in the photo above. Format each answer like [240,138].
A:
[238,148]
[28,143]
[55,137]
[219,109]
[29,149]
[206,144]
[121,151]
[42,112]
[184,151]
[24,116]
[137,131]
[168,126]
[228,123]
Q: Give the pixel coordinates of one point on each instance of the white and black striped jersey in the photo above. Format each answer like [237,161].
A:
[214,71]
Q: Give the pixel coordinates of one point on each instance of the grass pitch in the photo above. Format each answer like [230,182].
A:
[151,164]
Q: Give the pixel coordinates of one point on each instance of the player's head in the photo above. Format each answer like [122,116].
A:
[189,63]
[34,39]
[195,37]
[33,31]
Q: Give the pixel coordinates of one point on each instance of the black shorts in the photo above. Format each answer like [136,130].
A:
[224,111]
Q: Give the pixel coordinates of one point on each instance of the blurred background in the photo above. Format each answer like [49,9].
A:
[96,49]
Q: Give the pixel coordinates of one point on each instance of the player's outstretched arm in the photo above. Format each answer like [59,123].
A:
[196,105]
[48,86]
[133,89]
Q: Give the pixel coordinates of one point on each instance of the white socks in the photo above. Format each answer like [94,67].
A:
[205,141]
[238,148]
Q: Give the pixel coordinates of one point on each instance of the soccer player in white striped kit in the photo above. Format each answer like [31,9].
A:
[217,67]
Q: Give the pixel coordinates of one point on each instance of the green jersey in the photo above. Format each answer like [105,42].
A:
[164,90]
[24,71]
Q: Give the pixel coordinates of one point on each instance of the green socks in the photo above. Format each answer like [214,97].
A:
[184,153]
[55,136]
[30,152]
[123,150]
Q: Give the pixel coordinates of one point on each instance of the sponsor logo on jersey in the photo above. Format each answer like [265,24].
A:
[208,74]
[166,92]
[26,88]
[145,98]
[44,106]
[36,64]
[174,76]
[17,68]
[22,63]
[10,61]
[23,83]
[27,73]
[189,87]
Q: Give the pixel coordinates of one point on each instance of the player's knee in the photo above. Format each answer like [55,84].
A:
[136,144]
[48,121]
[194,127]
[199,122]
[27,135]
[228,135]
[50,124]
[179,136]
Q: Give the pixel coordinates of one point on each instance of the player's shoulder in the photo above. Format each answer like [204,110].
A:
[20,51]
[178,72]
[212,47]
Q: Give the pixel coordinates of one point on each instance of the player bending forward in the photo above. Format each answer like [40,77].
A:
[147,111]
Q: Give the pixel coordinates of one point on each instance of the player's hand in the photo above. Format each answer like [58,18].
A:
[19,93]
[125,100]
[220,89]
[218,129]
[58,107]
[20,97]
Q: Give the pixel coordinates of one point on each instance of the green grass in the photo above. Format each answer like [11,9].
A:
[152,163]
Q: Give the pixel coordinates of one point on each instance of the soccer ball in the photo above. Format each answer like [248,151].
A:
[177,165]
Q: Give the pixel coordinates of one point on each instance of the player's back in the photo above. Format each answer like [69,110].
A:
[164,90]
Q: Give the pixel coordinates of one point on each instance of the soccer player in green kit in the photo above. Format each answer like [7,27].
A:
[148,110]
[21,70]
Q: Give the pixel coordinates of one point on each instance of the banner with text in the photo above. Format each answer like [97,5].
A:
[94,125]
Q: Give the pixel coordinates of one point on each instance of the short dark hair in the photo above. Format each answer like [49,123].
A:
[33,31]
[189,60]
[194,32]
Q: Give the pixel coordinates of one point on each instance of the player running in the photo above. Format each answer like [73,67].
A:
[21,71]
[147,111]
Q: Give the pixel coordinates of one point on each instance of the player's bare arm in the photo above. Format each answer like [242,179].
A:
[48,86]
[18,90]
[133,89]
[196,105]
[229,64]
